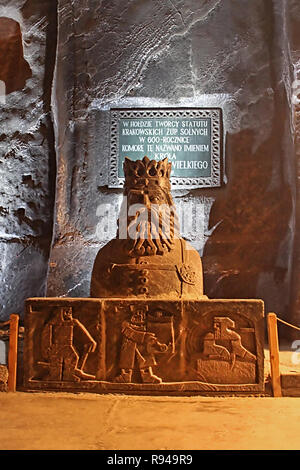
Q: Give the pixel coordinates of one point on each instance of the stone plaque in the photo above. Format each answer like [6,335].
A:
[191,139]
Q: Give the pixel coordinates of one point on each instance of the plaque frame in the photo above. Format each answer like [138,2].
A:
[177,182]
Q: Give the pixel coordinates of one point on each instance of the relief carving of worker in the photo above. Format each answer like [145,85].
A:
[58,346]
[138,345]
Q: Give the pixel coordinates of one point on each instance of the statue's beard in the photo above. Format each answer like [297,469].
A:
[152,231]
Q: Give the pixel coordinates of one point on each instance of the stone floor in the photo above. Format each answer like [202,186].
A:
[67,421]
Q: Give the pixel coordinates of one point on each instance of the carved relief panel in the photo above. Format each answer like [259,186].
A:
[63,341]
[142,340]
[207,345]
[145,345]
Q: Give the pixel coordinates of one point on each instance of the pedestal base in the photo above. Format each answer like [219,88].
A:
[144,346]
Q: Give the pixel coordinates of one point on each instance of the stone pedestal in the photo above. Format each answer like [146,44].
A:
[144,346]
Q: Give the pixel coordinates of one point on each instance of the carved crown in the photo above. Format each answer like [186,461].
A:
[143,172]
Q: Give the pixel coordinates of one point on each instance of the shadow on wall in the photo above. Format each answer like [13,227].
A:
[250,245]
[14,70]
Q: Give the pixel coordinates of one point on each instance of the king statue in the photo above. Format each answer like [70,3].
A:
[148,259]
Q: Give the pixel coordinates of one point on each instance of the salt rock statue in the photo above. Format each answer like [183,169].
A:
[148,258]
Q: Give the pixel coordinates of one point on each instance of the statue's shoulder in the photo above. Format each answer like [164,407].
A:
[112,251]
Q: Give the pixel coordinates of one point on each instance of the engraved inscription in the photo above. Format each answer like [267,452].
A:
[191,139]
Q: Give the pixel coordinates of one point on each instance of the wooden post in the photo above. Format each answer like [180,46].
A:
[13,352]
[274,354]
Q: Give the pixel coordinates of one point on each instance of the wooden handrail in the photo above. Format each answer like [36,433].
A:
[274,354]
[13,352]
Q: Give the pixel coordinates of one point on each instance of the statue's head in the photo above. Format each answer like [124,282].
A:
[62,313]
[138,318]
[151,221]
[67,313]
[150,178]
[221,324]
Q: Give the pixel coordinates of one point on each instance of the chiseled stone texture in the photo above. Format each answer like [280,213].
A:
[123,53]
[195,346]
[27,158]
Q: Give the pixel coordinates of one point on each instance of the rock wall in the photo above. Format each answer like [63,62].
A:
[240,56]
[293,32]
[27,157]
[250,252]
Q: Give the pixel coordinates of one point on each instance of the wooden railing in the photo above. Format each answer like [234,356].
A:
[278,380]
[13,335]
